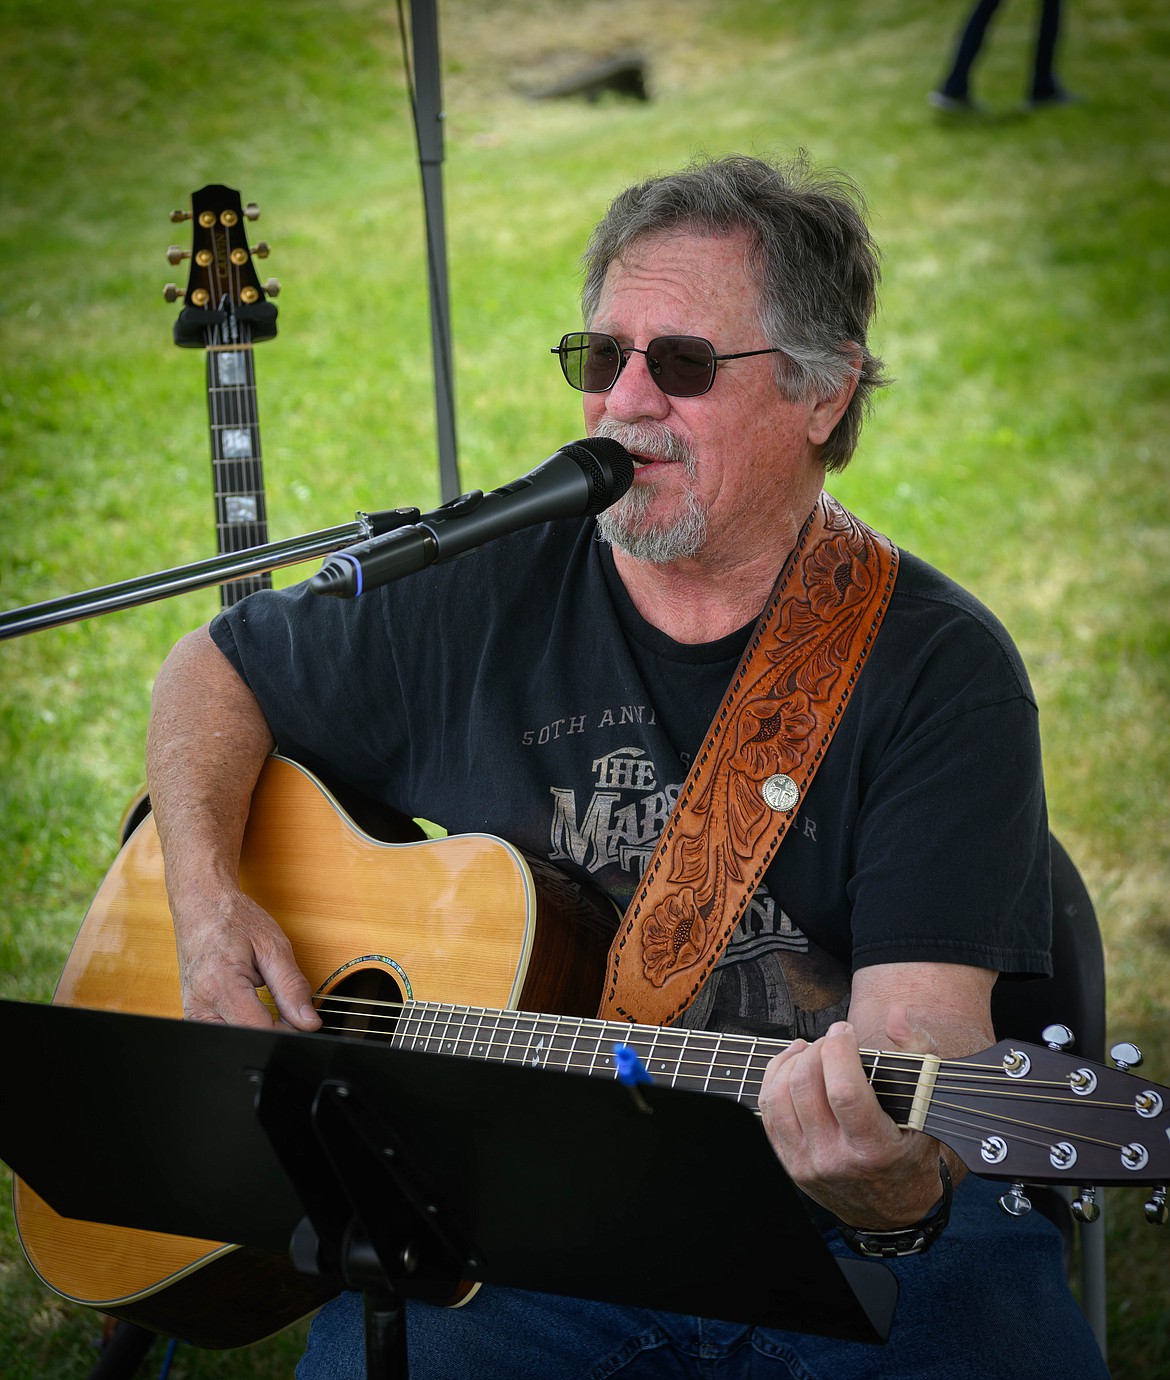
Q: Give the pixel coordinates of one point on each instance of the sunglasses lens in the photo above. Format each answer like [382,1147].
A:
[683,365]
[591,362]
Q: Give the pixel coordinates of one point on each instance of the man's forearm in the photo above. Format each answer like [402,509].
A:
[207,741]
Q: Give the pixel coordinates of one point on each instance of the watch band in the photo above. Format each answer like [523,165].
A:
[911,1240]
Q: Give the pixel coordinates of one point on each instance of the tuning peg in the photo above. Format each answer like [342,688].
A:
[179,216]
[252,211]
[1085,1207]
[1058,1037]
[272,287]
[172,293]
[1156,1211]
[261,250]
[176,254]
[1015,1202]
[1126,1056]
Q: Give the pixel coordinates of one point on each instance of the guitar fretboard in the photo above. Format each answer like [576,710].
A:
[701,1061]
[241,520]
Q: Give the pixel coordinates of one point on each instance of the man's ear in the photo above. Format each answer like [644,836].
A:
[827,412]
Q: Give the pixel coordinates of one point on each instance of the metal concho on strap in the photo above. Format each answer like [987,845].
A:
[760,755]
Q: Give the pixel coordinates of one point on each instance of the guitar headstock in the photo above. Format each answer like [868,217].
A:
[225,301]
[1032,1115]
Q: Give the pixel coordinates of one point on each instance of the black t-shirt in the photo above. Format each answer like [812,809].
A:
[517,691]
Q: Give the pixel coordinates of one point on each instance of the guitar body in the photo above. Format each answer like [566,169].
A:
[466,919]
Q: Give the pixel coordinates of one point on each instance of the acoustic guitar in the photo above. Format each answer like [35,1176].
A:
[466,947]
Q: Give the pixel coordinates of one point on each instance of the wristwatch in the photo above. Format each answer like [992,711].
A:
[911,1240]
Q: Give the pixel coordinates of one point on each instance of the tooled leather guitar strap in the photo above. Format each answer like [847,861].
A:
[761,753]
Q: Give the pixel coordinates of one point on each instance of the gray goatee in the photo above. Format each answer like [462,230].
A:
[623,524]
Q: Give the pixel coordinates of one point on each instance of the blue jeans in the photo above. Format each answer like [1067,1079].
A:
[989,1298]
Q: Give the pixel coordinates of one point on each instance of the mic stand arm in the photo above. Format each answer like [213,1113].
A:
[216,570]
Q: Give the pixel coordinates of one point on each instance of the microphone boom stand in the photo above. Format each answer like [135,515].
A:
[216,570]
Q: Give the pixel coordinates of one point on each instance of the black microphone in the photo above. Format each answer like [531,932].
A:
[581,479]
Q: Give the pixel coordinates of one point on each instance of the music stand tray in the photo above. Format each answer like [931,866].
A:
[406,1172]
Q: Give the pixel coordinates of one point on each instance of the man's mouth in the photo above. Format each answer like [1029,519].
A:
[648,446]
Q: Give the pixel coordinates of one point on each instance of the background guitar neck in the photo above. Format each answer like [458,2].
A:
[224,313]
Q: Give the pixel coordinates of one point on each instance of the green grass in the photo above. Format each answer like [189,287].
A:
[1022,448]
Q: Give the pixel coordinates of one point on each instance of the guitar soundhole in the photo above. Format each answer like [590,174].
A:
[365,1001]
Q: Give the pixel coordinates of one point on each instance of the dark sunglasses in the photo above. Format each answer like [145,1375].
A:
[683,366]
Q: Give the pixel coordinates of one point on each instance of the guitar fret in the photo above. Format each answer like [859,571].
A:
[684,1075]
[418,1037]
[497,1038]
[747,1063]
[448,1044]
[535,1051]
[594,1053]
[584,1037]
[522,1030]
[711,1065]
[758,1063]
[405,1027]
[477,1049]
[430,1029]
[731,1075]
[649,1059]
[509,1035]
[562,1042]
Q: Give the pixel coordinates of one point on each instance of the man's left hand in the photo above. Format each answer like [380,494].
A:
[832,1136]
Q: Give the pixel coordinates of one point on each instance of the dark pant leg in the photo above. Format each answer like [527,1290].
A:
[1044,83]
[970,42]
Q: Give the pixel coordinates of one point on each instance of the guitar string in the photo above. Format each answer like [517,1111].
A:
[1083,1137]
[246,380]
[600,1029]
[242,411]
[216,392]
[210,336]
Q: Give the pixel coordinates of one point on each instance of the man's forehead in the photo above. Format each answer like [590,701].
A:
[687,270]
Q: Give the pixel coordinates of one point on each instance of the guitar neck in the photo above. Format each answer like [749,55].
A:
[224,313]
[241,520]
[1014,1111]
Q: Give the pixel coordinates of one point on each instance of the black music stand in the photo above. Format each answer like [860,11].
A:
[404,1173]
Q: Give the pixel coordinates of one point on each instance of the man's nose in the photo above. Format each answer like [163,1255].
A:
[635,394]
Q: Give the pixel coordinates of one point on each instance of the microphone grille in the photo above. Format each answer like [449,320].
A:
[607,465]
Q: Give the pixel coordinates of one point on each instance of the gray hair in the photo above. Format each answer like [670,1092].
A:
[813,260]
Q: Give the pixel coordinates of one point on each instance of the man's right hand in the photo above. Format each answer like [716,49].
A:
[228,948]
[208,741]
